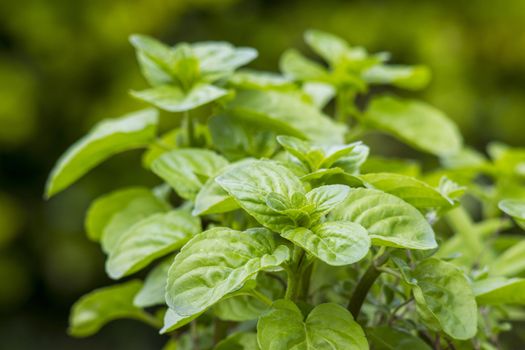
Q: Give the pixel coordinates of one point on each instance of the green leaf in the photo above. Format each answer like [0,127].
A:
[173,99]
[294,65]
[251,185]
[408,77]
[239,341]
[334,242]
[325,198]
[149,239]
[107,212]
[320,93]
[444,294]
[511,262]
[216,263]
[237,139]
[330,47]
[328,326]
[186,170]
[154,58]
[173,320]
[221,57]
[251,79]
[388,338]
[416,123]
[514,208]
[94,310]
[411,190]
[389,220]
[154,289]
[376,164]
[286,113]
[107,138]
[500,291]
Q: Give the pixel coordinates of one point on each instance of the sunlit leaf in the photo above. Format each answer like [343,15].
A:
[500,291]
[154,289]
[389,338]
[407,77]
[514,208]
[239,341]
[107,138]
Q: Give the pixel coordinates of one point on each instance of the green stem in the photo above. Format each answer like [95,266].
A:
[190,129]
[364,285]
[262,297]
[291,284]
[341,106]
[151,320]
[460,221]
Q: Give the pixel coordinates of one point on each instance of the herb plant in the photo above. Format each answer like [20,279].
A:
[273,227]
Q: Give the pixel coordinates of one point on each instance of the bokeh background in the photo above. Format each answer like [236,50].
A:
[66,64]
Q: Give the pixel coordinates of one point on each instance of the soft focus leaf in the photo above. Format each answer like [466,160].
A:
[408,77]
[328,326]
[511,262]
[186,170]
[239,341]
[514,208]
[334,242]
[173,99]
[125,206]
[500,291]
[416,123]
[154,289]
[389,220]
[294,65]
[232,256]
[443,293]
[94,310]
[107,138]
[411,190]
[149,239]
[388,338]
[250,79]
[251,184]
[320,93]
[219,57]
[286,113]
[330,47]
[154,58]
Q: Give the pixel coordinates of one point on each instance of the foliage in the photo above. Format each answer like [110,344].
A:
[268,209]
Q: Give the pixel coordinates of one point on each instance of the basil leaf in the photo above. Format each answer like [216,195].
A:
[416,123]
[174,99]
[325,198]
[500,291]
[407,77]
[285,113]
[107,212]
[334,242]
[514,208]
[222,57]
[233,256]
[107,138]
[444,295]
[154,58]
[294,65]
[149,239]
[328,326]
[251,79]
[251,184]
[411,190]
[389,220]
[330,47]
[173,320]
[239,341]
[186,170]
[94,310]
[511,262]
[388,338]
[154,289]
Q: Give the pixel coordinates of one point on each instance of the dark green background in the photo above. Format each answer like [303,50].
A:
[66,64]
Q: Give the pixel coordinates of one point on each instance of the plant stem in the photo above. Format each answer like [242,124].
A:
[291,283]
[364,285]
[341,106]
[190,130]
[294,273]
[151,320]
[262,297]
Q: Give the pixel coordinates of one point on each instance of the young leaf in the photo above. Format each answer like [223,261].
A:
[500,291]
[407,77]
[217,57]
[286,113]
[325,198]
[389,220]
[251,79]
[320,93]
[107,138]
[416,123]
[103,305]
[239,341]
[511,262]
[334,242]
[514,208]
[251,185]
[388,338]
[187,169]
[172,98]
[216,263]
[173,320]
[294,65]
[330,47]
[107,212]
[409,189]
[327,326]
[154,289]
[154,58]
[149,239]
[444,294]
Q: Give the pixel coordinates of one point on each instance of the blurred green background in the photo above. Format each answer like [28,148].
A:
[66,64]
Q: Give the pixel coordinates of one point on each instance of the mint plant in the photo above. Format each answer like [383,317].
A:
[273,227]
